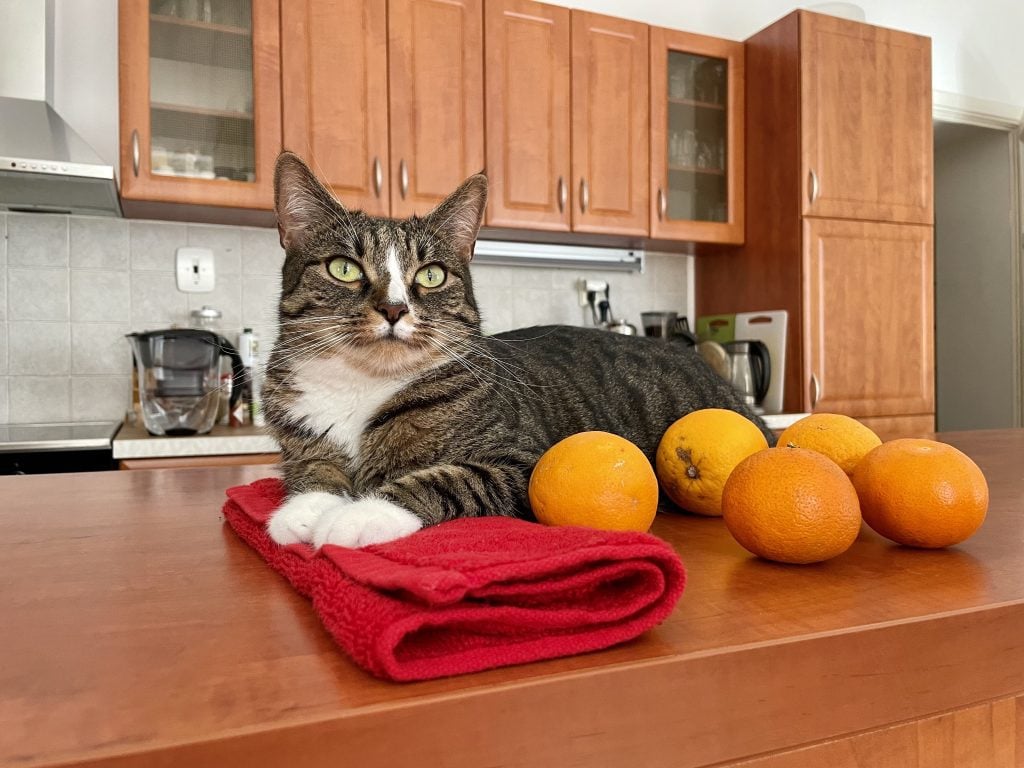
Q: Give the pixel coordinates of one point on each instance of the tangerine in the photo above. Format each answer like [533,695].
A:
[699,451]
[844,440]
[921,493]
[791,505]
[595,480]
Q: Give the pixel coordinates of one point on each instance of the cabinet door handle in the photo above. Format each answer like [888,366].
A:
[584,195]
[563,194]
[136,155]
[378,176]
[812,186]
[662,204]
[403,178]
[815,390]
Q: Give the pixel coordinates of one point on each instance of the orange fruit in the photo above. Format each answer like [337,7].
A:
[921,493]
[791,505]
[697,453]
[595,480]
[844,440]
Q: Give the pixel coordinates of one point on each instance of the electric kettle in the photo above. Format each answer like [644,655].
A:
[751,370]
[179,378]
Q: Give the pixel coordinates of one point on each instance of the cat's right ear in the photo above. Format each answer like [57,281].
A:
[300,200]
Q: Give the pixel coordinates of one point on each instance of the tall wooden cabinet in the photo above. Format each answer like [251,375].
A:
[567,119]
[200,102]
[385,99]
[840,231]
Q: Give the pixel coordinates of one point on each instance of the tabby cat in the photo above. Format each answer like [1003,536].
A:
[391,408]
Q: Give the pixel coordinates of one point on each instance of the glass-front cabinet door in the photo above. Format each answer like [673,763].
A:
[200,101]
[696,137]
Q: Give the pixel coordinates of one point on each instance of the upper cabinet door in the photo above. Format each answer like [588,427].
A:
[200,93]
[338,123]
[609,125]
[527,98]
[867,121]
[869,317]
[697,86]
[437,110]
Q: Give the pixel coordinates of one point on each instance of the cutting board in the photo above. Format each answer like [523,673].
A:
[769,327]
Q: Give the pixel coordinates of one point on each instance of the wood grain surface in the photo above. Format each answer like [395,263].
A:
[138,630]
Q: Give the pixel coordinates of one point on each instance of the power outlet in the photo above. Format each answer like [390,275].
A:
[194,270]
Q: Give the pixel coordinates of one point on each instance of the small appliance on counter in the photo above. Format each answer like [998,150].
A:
[717,332]
[750,367]
[36,449]
[179,378]
[667,325]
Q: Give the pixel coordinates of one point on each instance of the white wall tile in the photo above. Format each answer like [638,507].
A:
[38,348]
[98,348]
[3,239]
[226,244]
[155,297]
[153,244]
[262,253]
[100,296]
[260,296]
[4,399]
[3,292]
[39,398]
[98,243]
[37,240]
[3,349]
[38,294]
[102,398]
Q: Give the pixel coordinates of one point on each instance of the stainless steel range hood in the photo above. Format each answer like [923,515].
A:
[44,164]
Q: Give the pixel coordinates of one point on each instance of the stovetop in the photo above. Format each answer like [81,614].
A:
[62,436]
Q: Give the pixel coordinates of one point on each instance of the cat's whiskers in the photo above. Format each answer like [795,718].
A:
[514,372]
[479,373]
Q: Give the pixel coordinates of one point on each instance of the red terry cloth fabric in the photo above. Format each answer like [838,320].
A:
[471,594]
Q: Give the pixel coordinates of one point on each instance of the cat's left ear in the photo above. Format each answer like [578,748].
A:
[459,216]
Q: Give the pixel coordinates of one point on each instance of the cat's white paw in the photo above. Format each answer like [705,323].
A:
[370,520]
[295,520]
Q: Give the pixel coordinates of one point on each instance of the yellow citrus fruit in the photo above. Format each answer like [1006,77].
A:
[844,440]
[697,454]
[791,505]
[921,492]
[596,480]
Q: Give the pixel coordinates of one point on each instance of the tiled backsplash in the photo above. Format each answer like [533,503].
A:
[71,287]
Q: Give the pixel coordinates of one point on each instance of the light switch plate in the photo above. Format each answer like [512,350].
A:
[194,270]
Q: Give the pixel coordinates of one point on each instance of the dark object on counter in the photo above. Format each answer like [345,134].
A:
[36,449]
[473,593]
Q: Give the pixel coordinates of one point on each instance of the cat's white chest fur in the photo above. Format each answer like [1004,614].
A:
[338,399]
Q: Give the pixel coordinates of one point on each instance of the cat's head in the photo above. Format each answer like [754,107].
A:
[393,296]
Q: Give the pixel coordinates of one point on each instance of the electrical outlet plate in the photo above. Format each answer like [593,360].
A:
[194,270]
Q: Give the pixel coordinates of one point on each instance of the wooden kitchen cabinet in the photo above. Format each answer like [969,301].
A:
[567,119]
[200,102]
[869,319]
[339,123]
[527,48]
[852,267]
[696,180]
[610,127]
[866,113]
[385,100]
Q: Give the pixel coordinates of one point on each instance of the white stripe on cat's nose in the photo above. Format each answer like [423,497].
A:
[396,280]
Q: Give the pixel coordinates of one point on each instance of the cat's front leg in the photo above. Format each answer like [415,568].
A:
[315,487]
[425,497]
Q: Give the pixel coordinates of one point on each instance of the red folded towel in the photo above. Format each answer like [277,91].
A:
[471,594]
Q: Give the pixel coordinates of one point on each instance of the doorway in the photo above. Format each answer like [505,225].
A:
[979,383]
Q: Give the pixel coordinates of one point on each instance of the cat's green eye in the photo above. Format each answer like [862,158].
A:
[345,270]
[430,276]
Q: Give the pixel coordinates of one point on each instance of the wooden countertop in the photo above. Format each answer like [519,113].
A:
[137,629]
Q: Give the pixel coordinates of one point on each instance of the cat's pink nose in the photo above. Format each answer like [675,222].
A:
[392,311]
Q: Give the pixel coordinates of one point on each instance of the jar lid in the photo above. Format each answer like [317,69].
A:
[207,313]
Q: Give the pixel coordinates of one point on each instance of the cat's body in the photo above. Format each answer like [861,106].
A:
[394,412]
